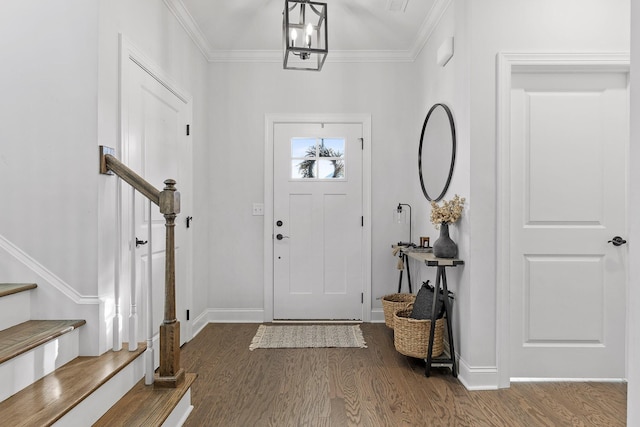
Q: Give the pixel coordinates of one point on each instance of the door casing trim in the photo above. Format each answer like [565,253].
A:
[269,123]
[508,64]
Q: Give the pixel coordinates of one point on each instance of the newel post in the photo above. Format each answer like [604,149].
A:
[170,374]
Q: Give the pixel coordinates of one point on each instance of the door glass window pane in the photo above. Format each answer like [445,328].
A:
[331,169]
[332,147]
[303,147]
[303,168]
[317,158]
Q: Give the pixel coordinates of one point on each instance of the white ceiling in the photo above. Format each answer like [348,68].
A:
[358,30]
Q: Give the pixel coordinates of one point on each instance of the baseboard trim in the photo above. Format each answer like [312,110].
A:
[235,315]
[477,377]
[568,380]
[377,315]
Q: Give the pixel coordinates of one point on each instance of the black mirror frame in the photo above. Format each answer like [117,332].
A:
[453,152]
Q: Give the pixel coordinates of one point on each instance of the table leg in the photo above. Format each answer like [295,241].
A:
[448,314]
[434,315]
[400,282]
[406,263]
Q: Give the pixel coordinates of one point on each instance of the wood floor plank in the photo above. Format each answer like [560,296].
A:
[370,387]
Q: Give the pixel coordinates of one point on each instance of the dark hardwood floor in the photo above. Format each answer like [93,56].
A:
[369,387]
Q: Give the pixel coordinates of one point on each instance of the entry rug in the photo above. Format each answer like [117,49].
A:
[308,336]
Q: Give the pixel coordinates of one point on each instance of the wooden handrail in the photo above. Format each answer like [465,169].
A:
[168,200]
[132,178]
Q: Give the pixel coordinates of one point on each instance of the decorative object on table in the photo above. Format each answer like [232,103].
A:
[397,252]
[441,216]
[304,35]
[411,336]
[424,242]
[437,152]
[400,251]
[308,336]
[399,216]
[394,302]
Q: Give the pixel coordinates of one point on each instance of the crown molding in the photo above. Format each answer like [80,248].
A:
[178,9]
[429,24]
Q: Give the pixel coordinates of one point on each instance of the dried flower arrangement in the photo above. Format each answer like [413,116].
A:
[449,212]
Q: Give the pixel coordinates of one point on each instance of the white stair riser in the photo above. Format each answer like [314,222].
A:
[29,367]
[181,412]
[15,309]
[100,401]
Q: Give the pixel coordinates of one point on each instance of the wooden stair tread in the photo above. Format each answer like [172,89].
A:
[145,405]
[48,399]
[14,288]
[26,336]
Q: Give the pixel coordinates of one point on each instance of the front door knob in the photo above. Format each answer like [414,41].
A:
[140,242]
[617,241]
[280,236]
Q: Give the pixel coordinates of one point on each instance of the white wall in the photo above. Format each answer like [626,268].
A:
[48,114]
[59,84]
[467,83]
[241,95]
[48,128]
[633,343]
[449,85]
[516,26]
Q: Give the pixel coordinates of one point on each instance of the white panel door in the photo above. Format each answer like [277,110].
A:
[569,136]
[157,149]
[318,264]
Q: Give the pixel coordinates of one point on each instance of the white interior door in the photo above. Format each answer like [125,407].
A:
[569,137]
[318,214]
[157,149]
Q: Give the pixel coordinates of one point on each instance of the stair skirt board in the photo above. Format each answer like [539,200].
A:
[95,405]
[29,367]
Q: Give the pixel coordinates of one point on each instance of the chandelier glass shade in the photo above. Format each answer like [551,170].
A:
[304,35]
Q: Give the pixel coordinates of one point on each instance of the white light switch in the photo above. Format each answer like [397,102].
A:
[258,209]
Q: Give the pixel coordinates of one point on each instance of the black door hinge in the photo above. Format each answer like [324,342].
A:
[188,130]
[362,143]
[187,314]
[362,221]
[362,298]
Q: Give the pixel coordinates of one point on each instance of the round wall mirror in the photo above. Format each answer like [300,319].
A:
[437,152]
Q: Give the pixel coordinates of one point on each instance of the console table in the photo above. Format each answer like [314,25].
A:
[441,280]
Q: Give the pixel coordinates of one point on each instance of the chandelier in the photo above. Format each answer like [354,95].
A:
[304,35]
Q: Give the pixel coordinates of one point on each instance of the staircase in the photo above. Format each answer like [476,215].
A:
[45,382]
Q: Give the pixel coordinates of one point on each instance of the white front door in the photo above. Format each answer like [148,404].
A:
[569,138]
[157,149]
[318,221]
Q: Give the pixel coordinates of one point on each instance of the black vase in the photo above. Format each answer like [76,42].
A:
[444,247]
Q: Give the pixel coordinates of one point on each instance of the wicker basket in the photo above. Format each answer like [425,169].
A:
[394,302]
[411,336]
